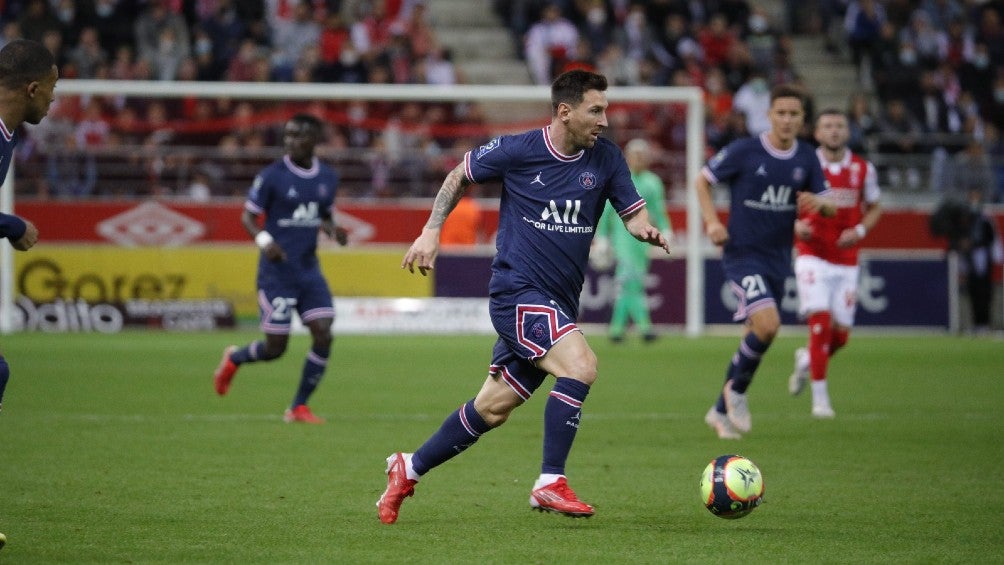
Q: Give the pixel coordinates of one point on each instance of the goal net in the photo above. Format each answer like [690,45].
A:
[115,140]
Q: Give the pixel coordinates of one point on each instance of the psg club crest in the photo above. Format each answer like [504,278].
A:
[488,147]
[587,180]
[537,330]
[798,174]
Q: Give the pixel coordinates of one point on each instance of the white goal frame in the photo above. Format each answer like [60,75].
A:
[691,96]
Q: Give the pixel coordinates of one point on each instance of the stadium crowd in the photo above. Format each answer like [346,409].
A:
[931,78]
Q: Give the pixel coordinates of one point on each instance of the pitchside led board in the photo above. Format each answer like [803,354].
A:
[894,292]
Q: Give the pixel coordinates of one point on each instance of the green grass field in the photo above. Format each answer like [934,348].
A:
[114,449]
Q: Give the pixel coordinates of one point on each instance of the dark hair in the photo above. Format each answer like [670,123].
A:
[308,119]
[830,112]
[23,61]
[570,87]
[788,91]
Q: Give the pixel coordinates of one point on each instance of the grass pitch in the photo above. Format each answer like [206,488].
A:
[114,449]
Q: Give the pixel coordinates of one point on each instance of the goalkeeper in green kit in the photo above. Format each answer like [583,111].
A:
[614,243]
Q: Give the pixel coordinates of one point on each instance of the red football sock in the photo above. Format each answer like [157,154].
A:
[820,336]
[839,339]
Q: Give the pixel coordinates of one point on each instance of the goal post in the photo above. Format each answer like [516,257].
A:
[690,97]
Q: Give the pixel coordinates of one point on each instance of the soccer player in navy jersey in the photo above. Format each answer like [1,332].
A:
[295,195]
[555,183]
[28,76]
[770,178]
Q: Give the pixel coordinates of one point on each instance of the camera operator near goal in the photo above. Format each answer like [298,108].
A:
[826,267]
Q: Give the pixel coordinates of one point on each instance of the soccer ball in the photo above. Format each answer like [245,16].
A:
[731,486]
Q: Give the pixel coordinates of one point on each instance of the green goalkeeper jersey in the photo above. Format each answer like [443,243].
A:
[626,247]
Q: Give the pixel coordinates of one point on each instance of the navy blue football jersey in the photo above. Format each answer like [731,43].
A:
[293,200]
[549,209]
[762,183]
[11,227]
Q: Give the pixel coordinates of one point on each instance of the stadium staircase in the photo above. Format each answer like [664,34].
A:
[832,79]
[483,48]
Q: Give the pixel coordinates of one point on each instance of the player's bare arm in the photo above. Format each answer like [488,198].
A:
[853,235]
[809,202]
[27,240]
[713,227]
[334,232]
[426,246]
[639,226]
[273,251]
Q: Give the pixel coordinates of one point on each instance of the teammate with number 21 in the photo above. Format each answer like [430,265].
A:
[770,178]
[555,183]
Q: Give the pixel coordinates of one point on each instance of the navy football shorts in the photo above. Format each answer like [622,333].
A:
[528,324]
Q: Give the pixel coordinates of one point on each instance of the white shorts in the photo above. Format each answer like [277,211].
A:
[826,287]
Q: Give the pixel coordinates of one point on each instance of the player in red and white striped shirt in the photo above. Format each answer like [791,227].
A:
[826,267]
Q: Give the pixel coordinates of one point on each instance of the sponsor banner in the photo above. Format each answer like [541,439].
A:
[467,276]
[61,316]
[172,224]
[107,274]
[412,315]
[892,292]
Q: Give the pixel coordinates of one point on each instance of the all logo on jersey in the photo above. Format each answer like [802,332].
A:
[587,180]
[488,147]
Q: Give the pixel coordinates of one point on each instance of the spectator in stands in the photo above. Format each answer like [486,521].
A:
[898,76]
[290,38]
[861,123]
[90,134]
[928,42]
[991,33]
[899,134]
[717,97]
[334,37]
[941,13]
[636,39]
[763,42]
[156,47]
[439,67]
[976,76]
[241,67]
[863,24]
[549,43]
[11,30]
[65,12]
[753,100]
[371,29]
[36,19]
[959,42]
[88,54]
[166,60]
[595,27]
[224,29]
[716,40]
[415,27]
[676,38]
[112,18]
